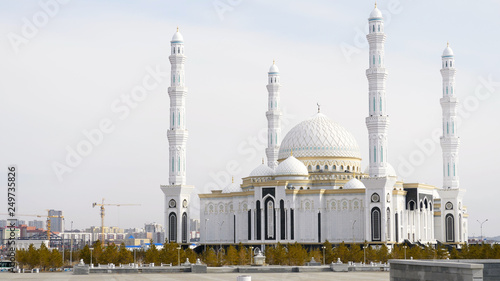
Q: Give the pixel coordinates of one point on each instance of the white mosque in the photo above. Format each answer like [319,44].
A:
[312,188]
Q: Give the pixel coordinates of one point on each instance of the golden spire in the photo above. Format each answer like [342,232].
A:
[291,152]
[375,4]
[177,29]
[262,160]
[232,179]
[273,61]
[447,44]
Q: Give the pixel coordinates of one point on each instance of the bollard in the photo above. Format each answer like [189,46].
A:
[244,278]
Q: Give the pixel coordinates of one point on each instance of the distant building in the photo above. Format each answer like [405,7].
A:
[3,223]
[37,224]
[156,231]
[56,221]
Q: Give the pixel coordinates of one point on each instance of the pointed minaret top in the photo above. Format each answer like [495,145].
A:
[178,27]
[232,179]
[319,107]
[375,4]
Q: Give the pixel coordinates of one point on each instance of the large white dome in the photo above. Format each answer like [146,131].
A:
[232,187]
[354,183]
[291,167]
[319,136]
[177,38]
[448,52]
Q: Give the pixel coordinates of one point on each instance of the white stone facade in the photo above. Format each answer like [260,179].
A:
[314,189]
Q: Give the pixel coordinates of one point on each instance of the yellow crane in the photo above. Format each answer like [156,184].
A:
[42,216]
[102,214]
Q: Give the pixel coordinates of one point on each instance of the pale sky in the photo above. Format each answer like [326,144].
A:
[65,68]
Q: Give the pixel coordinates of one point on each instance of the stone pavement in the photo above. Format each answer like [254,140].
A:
[309,276]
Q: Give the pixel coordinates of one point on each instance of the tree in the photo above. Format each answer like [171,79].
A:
[124,255]
[55,259]
[355,253]
[371,254]
[415,253]
[44,255]
[342,252]
[397,252]
[232,256]
[21,257]
[297,255]
[97,253]
[110,254]
[428,253]
[33,258]
[442,253]
[454,254]
[329,254]
[243,255]
[188,254]
[85,254]
[280,254]
[382,254]
[169,253]
[152,254]
[209,257]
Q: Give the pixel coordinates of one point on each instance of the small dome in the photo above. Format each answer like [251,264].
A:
[448,52]
[292,167]
[262,171]
[376,14]
[274,69]
[354,184]
[232,187]
[177,38]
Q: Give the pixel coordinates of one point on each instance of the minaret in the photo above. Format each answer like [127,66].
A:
[273,117]
[378,120]
[177,193]
[177,135]
[449,141]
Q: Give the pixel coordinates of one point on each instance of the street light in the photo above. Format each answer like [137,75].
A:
[71,246]
[134,256]
[405,249]
[364,254]
[323,254]
[220,237]
[251,255]
[481,223]
[179,255]
[206,234]
[91,249]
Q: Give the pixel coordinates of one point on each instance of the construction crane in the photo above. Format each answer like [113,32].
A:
[42,216]
[102,214]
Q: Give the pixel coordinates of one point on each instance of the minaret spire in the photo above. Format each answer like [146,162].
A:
[177,134]
[273,117]
[378,121]
[449,141]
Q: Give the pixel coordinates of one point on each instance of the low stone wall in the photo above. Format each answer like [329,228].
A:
[403,270]
[491,271]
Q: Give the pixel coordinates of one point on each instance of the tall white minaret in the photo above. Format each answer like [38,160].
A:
[378,121]
[449,141]
[273,117]
[177,193]
[177,134]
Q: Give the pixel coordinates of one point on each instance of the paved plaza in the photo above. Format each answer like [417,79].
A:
[371,276]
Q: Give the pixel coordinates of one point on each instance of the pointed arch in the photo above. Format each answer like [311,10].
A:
[172,227]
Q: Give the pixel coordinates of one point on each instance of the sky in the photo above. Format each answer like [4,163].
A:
[66,66]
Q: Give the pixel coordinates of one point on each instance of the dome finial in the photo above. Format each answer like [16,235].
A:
[232,179]
[177,29]
[291,152]
[262,160]
[319,107]
[447,44]
[375,4]
[274,61]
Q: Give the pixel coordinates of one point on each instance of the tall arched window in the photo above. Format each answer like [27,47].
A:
[380,105]
[381,154]
[173,164]
[172,227]
[373,59]
[373,28]
[451,63]
[282,220]
[379,28]
[269,217]
[376,225]
[374,104]
[388,234]
[184,228]
[374,154]
[446,63]
[258,227]
[450,228]
[379,60]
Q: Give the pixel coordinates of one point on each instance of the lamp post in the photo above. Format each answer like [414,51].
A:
[324,260]
[251,255]
[404,247]
[71,246]
[91,249]
[179,255]
[134,256]
[364,254]
[481,223]
[206,234]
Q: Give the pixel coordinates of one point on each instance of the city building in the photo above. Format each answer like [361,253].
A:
[56,221]
[313,187]
[37,224]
